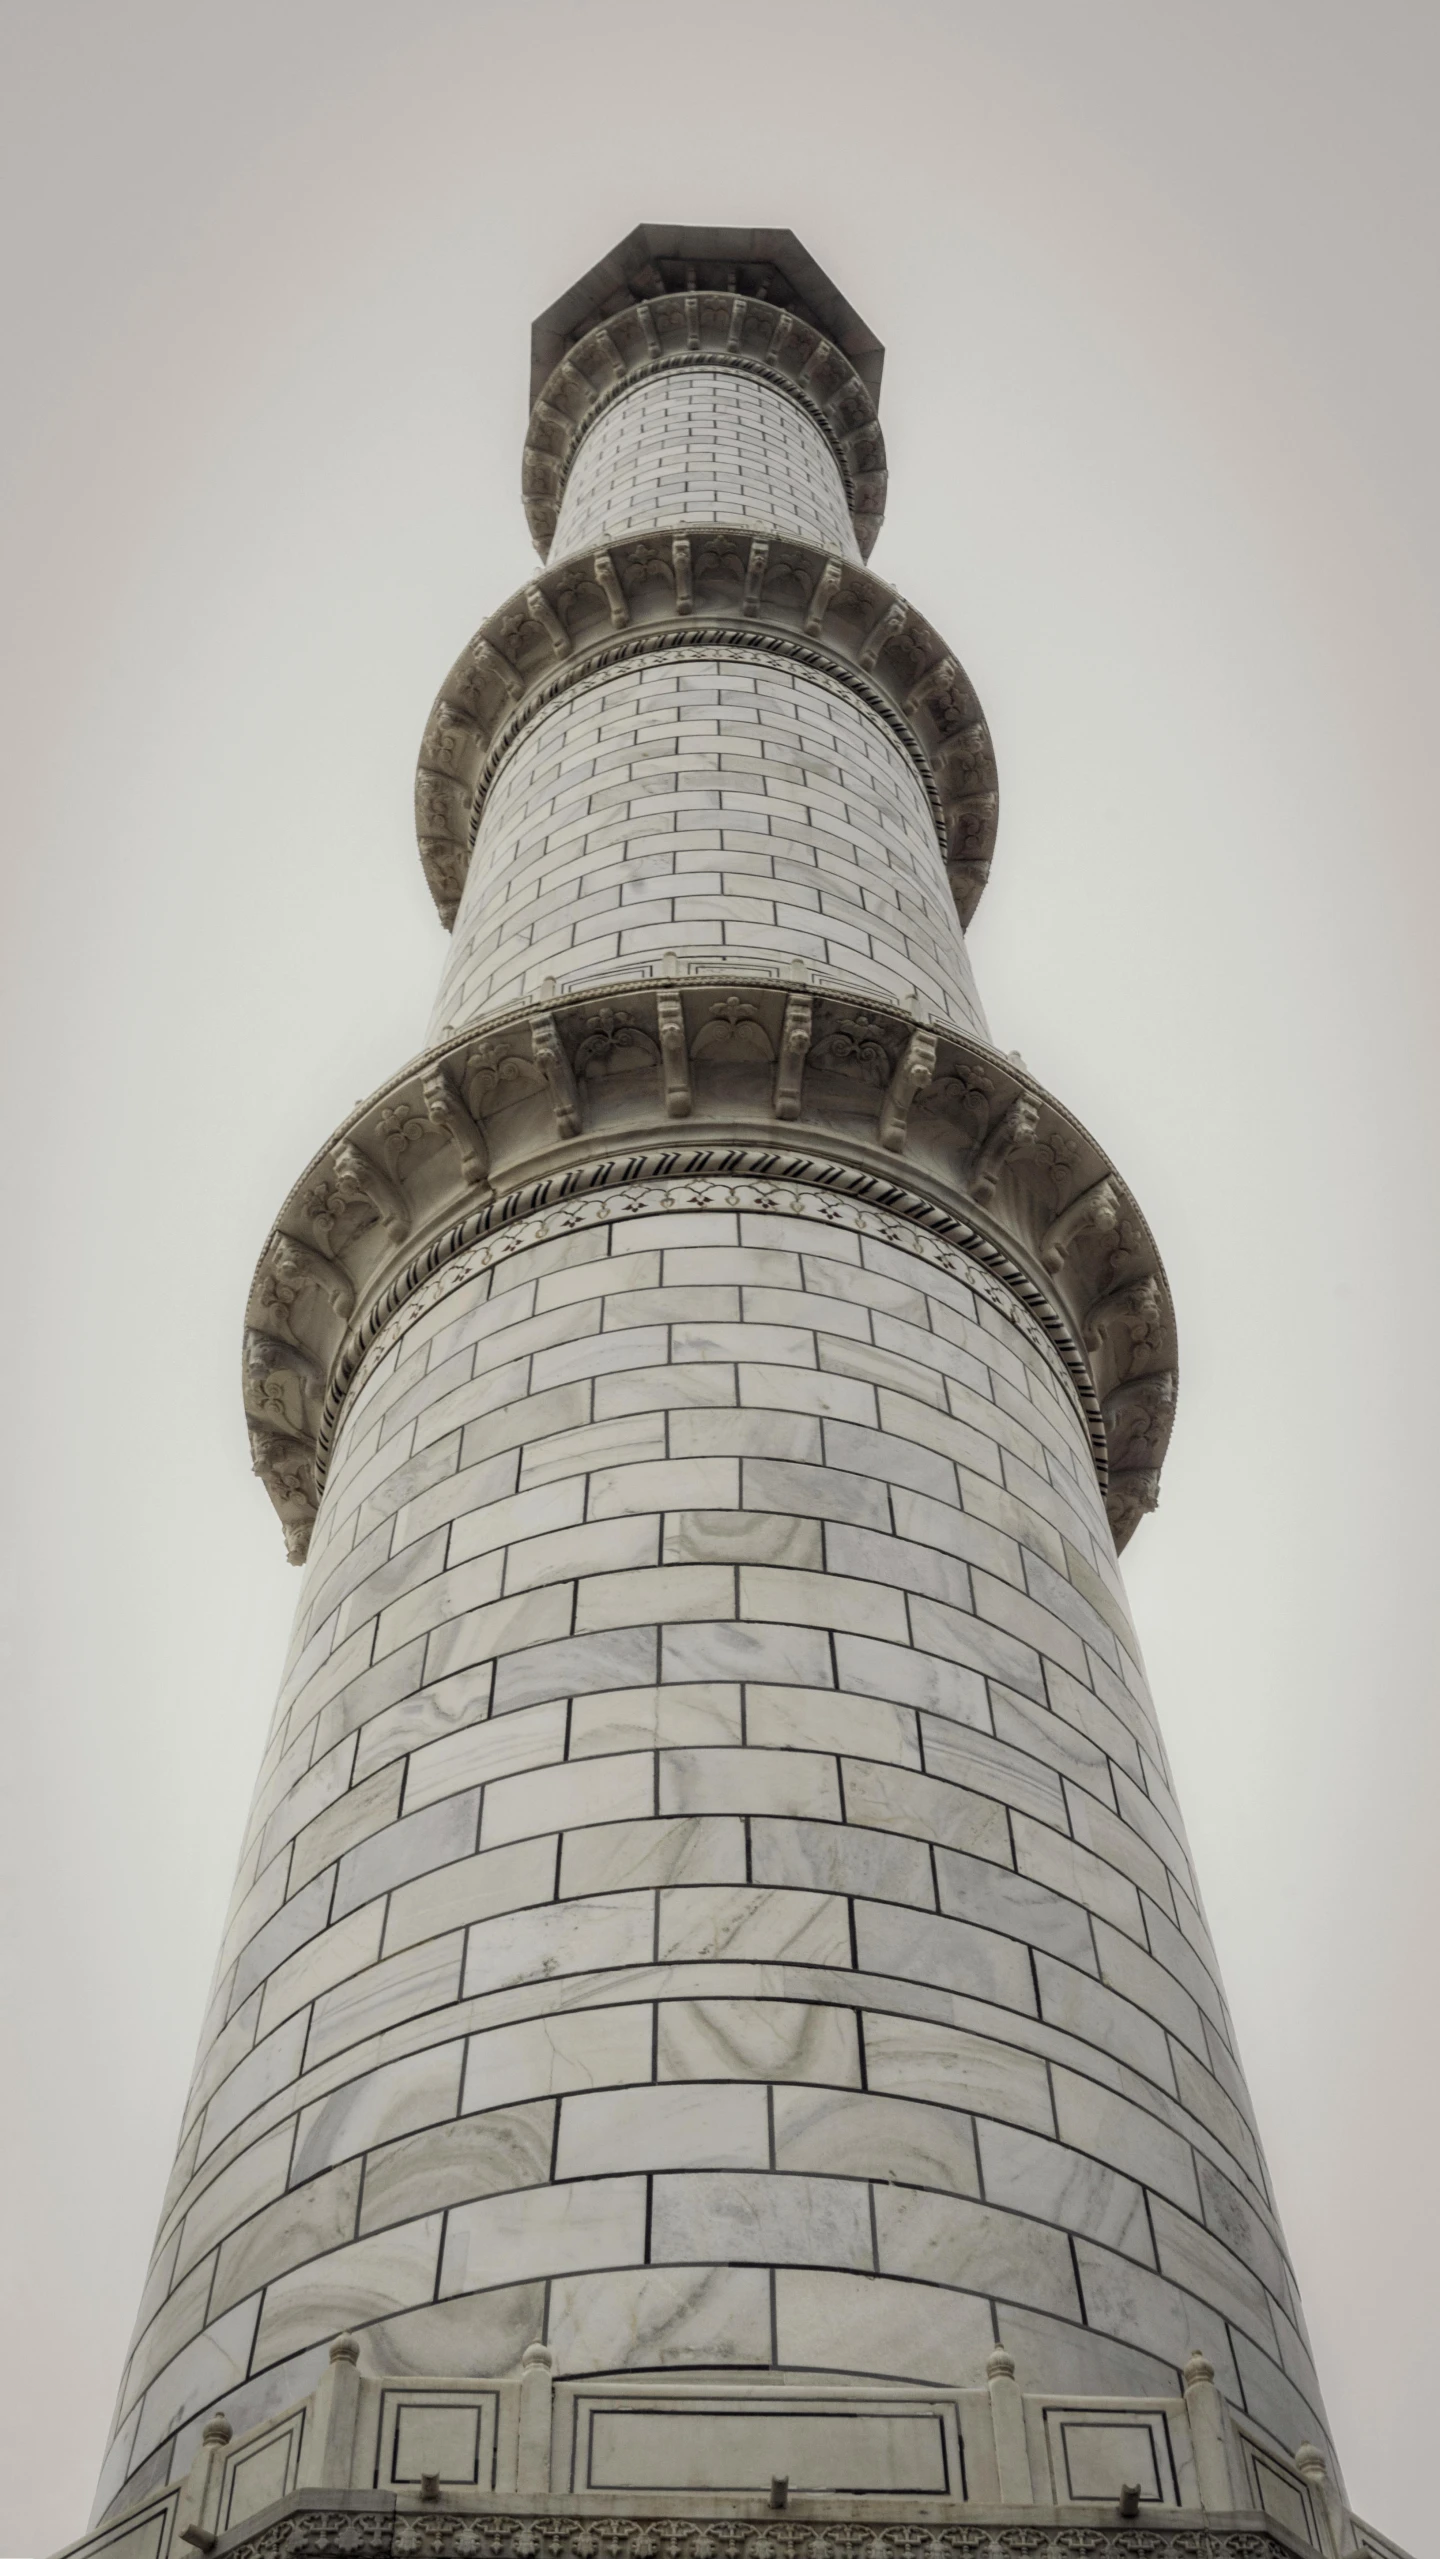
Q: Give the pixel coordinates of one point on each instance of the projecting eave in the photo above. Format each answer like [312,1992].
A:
[655,258]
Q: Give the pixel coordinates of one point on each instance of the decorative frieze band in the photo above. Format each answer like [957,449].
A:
[710,586]
[672,331]
[774,1084]
[374,2530]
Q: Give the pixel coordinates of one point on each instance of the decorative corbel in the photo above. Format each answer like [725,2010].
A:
[827,587]
[449,1113]
[543,612]
[1137,1416]
[362,1175]
[554,1065]
[1012,1133]
[674,1053]
[609,584]
[1097,1209]
[280,1382]
[1129,1315]
[795,1036]
[286,1468]
[492,661]
[755,569]
[915,1069]
[1133,1492]
[889,627]
[303,1267]
[684,580]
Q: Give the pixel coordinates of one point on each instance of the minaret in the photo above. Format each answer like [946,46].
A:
[716,2013]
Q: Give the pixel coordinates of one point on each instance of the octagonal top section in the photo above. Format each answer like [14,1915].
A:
[672,257]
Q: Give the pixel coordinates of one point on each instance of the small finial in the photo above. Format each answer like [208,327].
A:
[999,2365]
[217,2429]
[537,2358]
[1198,2369]
[1310,2461]
[344,2350]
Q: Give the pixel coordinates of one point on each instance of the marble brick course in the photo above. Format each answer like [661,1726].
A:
[810,1913]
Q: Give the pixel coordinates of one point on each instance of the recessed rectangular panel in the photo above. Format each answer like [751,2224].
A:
[1095,2453]
[261,2475]
[447,2435]
[1283,2496]
[834,2452]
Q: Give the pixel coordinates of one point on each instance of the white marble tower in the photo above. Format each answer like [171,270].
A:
[716,1991]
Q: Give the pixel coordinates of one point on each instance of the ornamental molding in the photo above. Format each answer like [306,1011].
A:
[706,587]
[725,1091]
[383,2530]
[726,331]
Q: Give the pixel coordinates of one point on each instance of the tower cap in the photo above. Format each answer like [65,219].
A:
[670,257]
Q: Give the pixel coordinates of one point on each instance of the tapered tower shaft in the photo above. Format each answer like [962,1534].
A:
[714,1905]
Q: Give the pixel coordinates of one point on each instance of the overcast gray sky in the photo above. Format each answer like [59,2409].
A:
[1157,285]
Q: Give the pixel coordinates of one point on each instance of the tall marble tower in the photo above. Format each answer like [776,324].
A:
[716,2041]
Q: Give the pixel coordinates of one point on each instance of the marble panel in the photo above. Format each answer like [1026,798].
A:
[832,1857]
[423,1714]
[573,1668]
[401,1987]
[928,1808]
[548,2230]
[391,2270]
[950,2239]
[453,2163]
[684,2124]
[542,2056]
[1048,1857]
[682,1850]
[543,1944]
[864,2324]
[473,1888]
[798,1655]
[921,1946]
[420,2088]
[756,2039]
[737,2216]
[532,1737]
[483,2337]
[1055,2184]
[950,2066]
[830,1719]
[992,1896]
[255,2178]
[203,2372]
[368,1807]
[847,2133]
[684,1714]
[1141,2309]
[1086,2008]
[550,1799]
[798,1783]
[304,2223]
[911,1678]
[753,1923]
[649,2317]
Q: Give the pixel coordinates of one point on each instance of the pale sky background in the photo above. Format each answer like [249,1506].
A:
[1158,288]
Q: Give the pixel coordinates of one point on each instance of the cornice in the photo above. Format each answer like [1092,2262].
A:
[702,1082]
[732,330]
[706,587]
